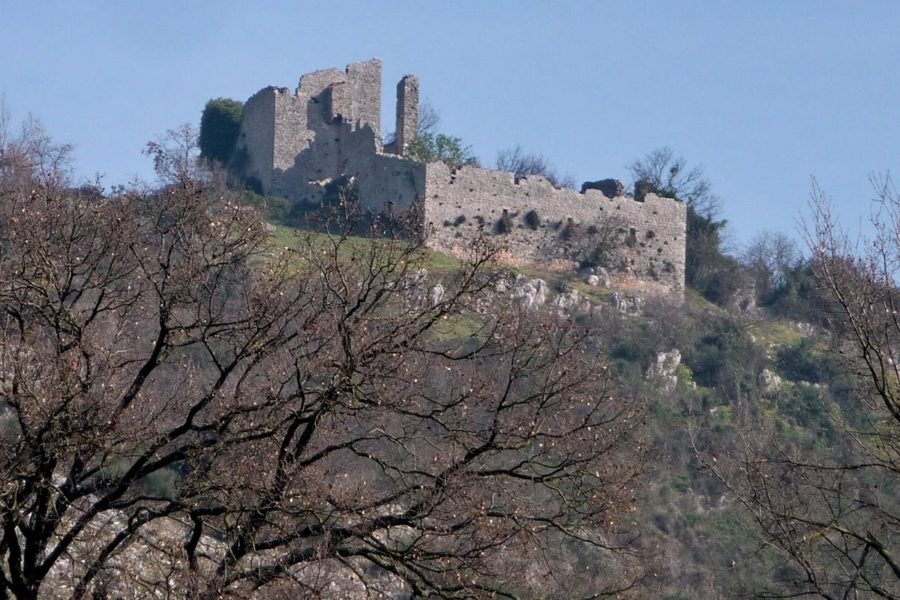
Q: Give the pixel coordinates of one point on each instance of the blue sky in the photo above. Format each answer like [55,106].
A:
[763,95]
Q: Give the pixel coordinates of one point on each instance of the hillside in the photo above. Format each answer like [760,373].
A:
[197,403]
[714,385]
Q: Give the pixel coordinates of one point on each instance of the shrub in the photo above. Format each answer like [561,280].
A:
[449,150]
[803,362]
[532,219]
[219,129]
[504,224]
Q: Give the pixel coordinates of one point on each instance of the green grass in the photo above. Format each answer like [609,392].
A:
[293,238]
[458,328]
[775,334]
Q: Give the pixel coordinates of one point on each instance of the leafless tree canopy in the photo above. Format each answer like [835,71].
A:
[667,174]
[429,118]
[30,156]
[769,259]
[188,411]
[522,164]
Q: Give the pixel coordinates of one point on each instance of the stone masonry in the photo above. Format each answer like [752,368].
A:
[294,144]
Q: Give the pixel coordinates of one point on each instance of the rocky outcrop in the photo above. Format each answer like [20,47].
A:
[663,370]
[769,381]
[529,293]
[633,306]
[598,277]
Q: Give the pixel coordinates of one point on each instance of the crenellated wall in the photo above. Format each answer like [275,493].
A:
[645,239]
[294,144]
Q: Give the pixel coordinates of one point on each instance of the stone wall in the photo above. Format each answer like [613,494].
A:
[295,144]
[254,151]
[648,236]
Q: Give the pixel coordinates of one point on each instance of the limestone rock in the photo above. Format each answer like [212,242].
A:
[568,301]
[664,368]
[632,306]
[769,381]
[436,294]
[530,293]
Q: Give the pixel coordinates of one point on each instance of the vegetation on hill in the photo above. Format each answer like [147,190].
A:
[197,403]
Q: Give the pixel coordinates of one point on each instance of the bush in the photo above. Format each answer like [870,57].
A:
[803,362]
[447,149]
[219,129]
[504,224]
[532,219]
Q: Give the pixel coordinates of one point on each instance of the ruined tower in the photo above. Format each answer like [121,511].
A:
[407,112]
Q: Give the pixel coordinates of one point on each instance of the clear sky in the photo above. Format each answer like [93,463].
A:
[764,95]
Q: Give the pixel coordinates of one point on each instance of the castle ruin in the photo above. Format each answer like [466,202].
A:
[294,144]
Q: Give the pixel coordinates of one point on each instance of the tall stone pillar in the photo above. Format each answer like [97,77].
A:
[407,112]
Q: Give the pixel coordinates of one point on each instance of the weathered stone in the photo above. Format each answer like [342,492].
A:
[436,294]
[598,278]
[663,370]
[407,112]
[568,301]
[300,145]
[769,381]
[530,293]
[611,188]
[632,306]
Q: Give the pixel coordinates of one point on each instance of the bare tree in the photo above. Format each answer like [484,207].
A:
[429,118]
[522,164]
[770,257]
[833,514]
[187,411]
[31,155]
[660,171]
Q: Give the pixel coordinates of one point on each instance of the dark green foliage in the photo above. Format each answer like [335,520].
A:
[459,220]
[596,257]
[803,361]
[532,219]
[724,356]
[806,407]
[219,129]
[798,297]
[504,224]
[707,269]
[273,208]
[428,147]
